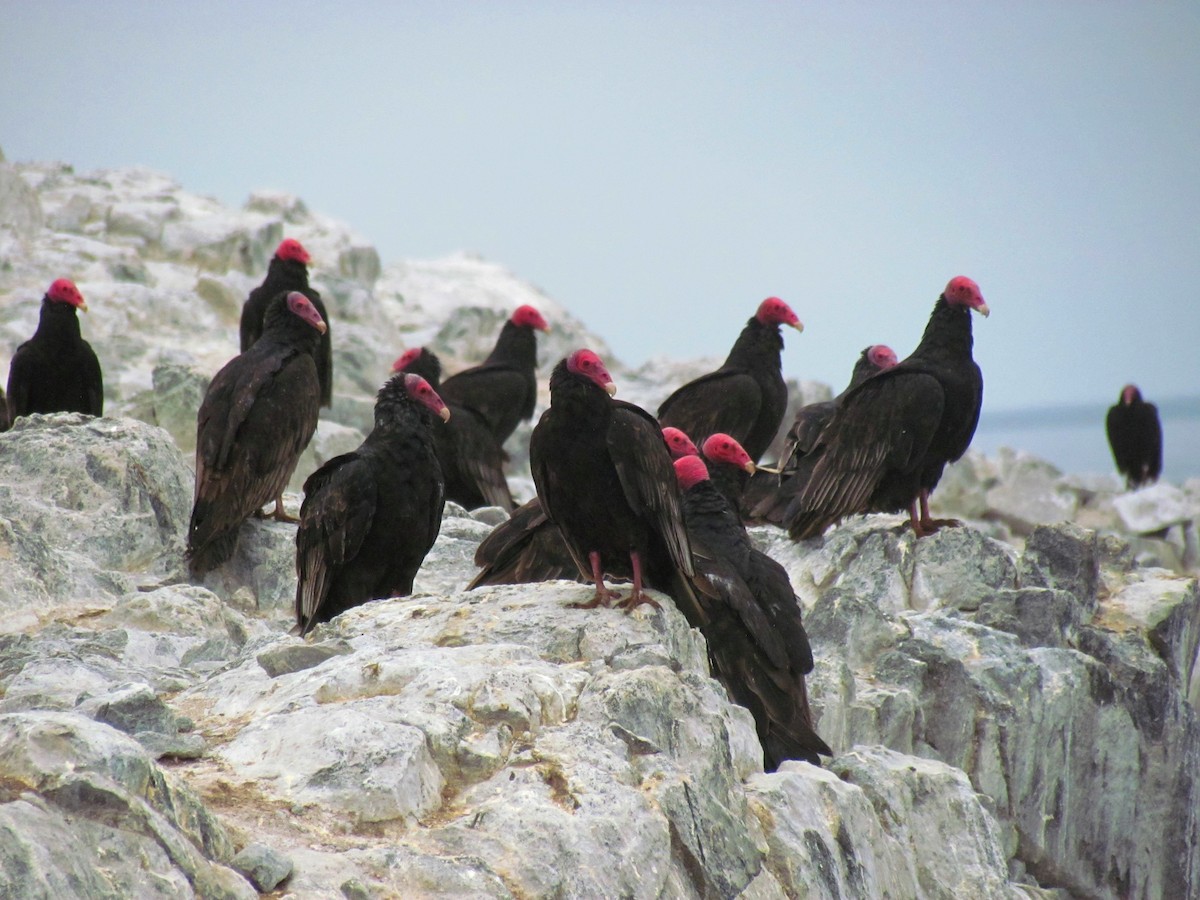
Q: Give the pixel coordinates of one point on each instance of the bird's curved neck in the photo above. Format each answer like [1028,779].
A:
[755,340]
[58,320]
[516,346]
[290,271]
[948,333]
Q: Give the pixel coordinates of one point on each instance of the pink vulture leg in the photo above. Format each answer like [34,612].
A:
[915,520]
[929,524]
[602,595]
[636,596]
[279,515]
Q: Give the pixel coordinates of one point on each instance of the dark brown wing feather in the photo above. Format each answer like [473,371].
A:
[339,506]
[525,548]
[882,430]
[720,401]
[647,476]
[502,396]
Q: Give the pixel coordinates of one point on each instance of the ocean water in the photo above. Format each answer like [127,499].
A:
[1073,438]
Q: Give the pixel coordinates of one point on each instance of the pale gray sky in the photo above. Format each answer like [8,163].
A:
[661,167]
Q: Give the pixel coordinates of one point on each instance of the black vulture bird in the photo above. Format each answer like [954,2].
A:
[746,397]
[885,449]
[604,476]
[56,370]
[1135,436]
[258,415]
[369,517]
[288,271]
[751,619]
[760,500]
[527,547]
[472,459]
[502,390]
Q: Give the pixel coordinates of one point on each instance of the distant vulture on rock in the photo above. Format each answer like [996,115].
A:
[604,476]
[288,271]
[502,389]
[885,449]
[751,619]
[761,499]
[56,369]
[370,516]
[258,415]
[528,546]
[1135,436]
[471,458]
[746,397]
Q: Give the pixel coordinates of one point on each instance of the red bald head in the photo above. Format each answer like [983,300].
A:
[721,448]
[528,317]
[590,366]
[774,311]
[1130,394]
[64,291]
[962,291]
[678,443]
[407,358]
[882,356]
[690,470]
[301,306]
[290,248]
[418,388]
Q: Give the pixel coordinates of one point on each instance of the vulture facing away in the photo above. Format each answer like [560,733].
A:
[760,500]
[746,397]
[751,619]
[471,458]
[370,516]
[885,449]
[502,390]
[258,415]
[56,370]
[604,476]
[288,271]
[1135,436]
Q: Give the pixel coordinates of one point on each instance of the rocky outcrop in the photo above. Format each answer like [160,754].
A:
[1012,703]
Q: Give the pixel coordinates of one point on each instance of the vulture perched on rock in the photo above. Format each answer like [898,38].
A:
[760,500]
[736,467]
[370,516]
[746,397]
[750,618]
[885,448]
[288,271]
[502,390]
[56,369]
[604,476]
[1135,436]
[528,547]
[472,459]
[258,415]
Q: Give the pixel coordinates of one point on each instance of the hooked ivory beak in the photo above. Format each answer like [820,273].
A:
[445,413]
[982,309]
[750,467]
[611,389]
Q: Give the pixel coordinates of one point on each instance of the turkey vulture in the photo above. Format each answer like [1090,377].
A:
[751,619]
[604,477]
[733,468]
[56,369]
[527,547]
[1135,436]
[760,500]
[885,449]
[746,397]
[255,420]
[370,516]
[472,459]
[288,271]
[503,388]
